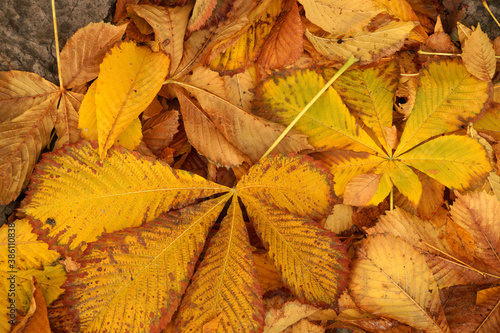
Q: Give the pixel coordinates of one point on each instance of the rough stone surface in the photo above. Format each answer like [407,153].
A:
[27,33]
[476,13]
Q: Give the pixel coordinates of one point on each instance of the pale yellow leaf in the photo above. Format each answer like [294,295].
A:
[277,320]
[367,46]
[391,278]
[341,17]
[478,55]
[340,219]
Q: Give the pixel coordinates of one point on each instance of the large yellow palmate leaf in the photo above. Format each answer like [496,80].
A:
[31,258]
[309,258]
[360,91]
[448,97]
[287,93]
[225,283]
[288,182]
[391,278]
[124,190]
[130,78]
[457,162]
[133,279]
[356,157]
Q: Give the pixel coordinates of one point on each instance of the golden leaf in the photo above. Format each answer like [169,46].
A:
[36,319]
[287,182]
[122,191]
[141,272]
[225,283]
[489,299]
[391,278]
[66,123]
[129,80]
[490,122]
[478,55]
[287,93]
[87,122]
[461,98]
[340,219]
[292,312]
[444,160]
[201,13]
[268,276]
[404,11]
[204,136]
[345,164]
[360,91]
[237,57]
[308,257]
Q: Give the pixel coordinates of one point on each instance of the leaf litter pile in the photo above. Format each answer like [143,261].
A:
[256,166]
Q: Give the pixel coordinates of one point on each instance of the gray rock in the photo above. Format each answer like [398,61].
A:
[476,13]
[27,33]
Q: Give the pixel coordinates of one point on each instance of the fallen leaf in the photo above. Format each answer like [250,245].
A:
[478,55]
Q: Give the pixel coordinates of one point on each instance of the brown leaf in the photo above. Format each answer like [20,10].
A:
[360,189]
[85,50]
[201,13]
[159,130]
[459,303]
[36,320]
[204,135]
[240,88]
[67,119]
[249,134]
[169,25]
[439,42]
[283,46]
[22,140]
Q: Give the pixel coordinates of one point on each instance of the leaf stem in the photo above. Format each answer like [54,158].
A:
[489,11]
[444,54]
[61,85]
[348,64]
